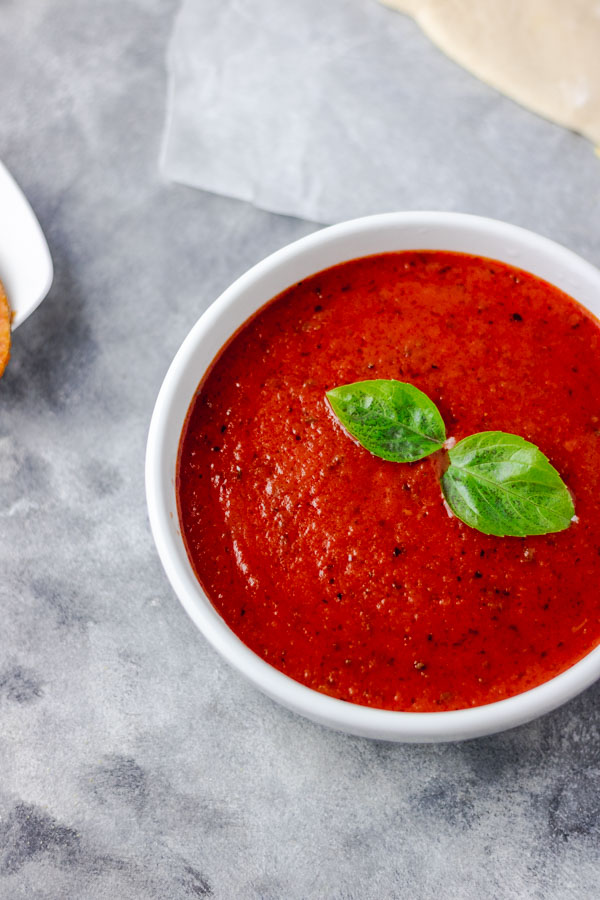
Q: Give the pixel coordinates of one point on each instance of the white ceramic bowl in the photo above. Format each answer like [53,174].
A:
[25,263]
[360,237]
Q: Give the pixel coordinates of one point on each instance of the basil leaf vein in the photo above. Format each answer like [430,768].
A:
[503,485]
[392,419]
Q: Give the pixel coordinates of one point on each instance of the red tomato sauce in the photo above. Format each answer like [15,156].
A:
[345,571]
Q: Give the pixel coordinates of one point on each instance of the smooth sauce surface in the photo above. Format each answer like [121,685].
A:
[345,571]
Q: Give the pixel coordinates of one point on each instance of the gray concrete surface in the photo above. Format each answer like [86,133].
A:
[134,763]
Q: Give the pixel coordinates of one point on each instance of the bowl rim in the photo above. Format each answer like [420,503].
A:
[25,287]
[340,714]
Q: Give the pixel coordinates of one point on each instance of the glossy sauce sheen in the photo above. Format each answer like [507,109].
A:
[345,571]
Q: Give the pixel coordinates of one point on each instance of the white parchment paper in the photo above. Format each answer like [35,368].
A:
[329,109]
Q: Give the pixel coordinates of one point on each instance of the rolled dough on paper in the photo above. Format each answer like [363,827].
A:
[545,54]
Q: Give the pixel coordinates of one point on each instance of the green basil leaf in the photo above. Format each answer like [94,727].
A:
[391,419]
[501,484]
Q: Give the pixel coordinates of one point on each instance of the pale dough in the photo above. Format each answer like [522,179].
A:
[545,54]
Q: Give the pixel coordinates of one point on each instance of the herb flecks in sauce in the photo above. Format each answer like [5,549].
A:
[276,542]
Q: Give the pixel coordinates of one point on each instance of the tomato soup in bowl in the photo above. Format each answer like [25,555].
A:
[336,580]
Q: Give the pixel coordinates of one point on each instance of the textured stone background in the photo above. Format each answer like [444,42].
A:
[133,762]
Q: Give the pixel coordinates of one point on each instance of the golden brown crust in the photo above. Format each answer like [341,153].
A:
[5,319]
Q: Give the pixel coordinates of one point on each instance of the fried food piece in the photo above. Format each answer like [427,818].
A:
[5,319]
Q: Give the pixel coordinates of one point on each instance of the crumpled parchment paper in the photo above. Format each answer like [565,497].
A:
[329,109]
